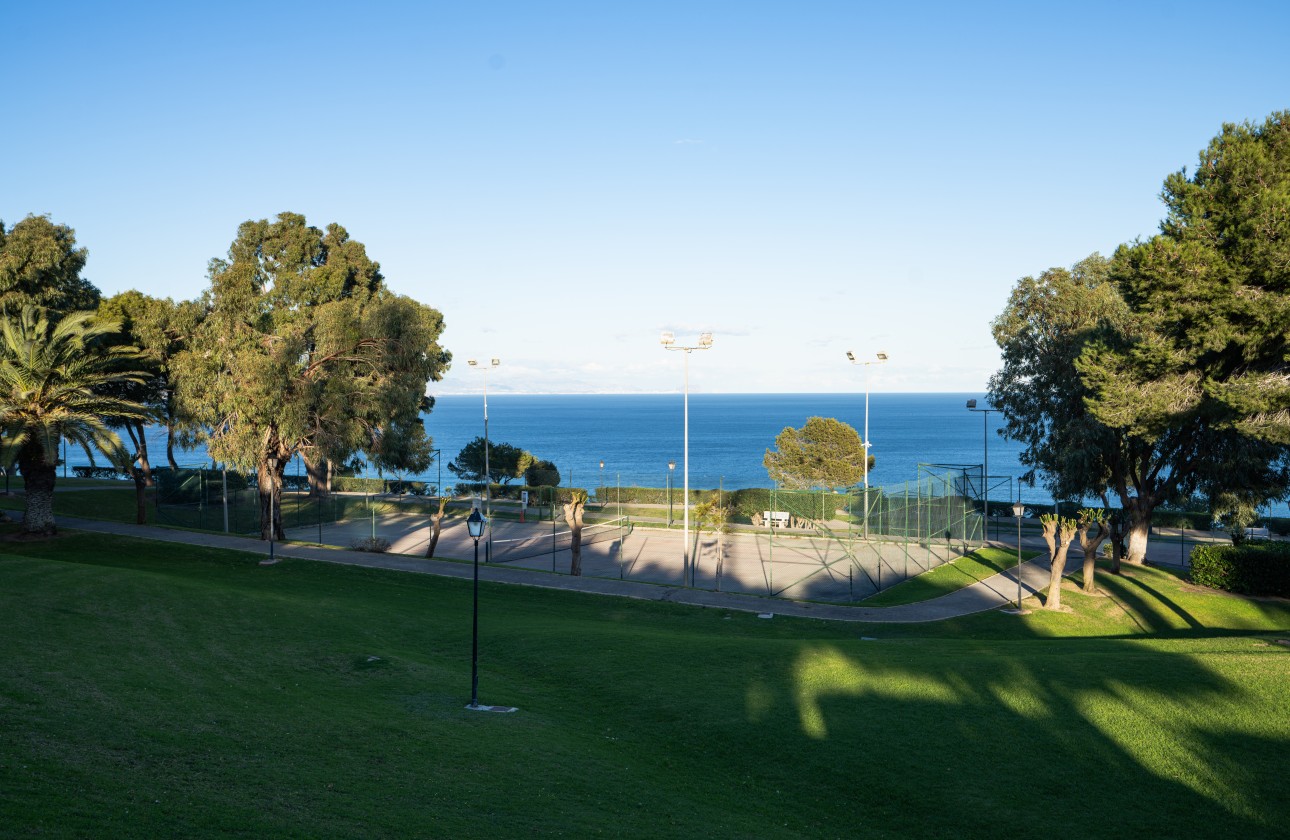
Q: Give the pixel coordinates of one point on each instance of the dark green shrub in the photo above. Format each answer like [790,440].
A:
[98,472]
[1256,567]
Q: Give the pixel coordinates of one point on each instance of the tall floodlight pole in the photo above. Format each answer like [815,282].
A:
[985,477]
[488,508]
[669,343]
[881,359]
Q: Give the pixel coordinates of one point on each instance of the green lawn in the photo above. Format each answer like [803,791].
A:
[942,580]
[159,692]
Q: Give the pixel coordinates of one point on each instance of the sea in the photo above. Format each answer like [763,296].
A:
[637,435]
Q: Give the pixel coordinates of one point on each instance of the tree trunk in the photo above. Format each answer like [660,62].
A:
[1139,530]
[1090,545]
[38,479]
[270,486]
[318,472]
[170,448]
[141,474]
[436,524]
[1059,547]
[573,516]
[1115,522]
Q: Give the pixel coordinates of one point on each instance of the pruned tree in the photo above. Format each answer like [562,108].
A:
[824,453]
[1091,519]
[55,382]
[303,350]
[540,473]
[1059,531]
[436,525]
[573,511]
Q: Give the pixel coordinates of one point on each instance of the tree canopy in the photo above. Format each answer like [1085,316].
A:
[505,462]
[41,265]
[823,453]
[1166,370]
[303,349]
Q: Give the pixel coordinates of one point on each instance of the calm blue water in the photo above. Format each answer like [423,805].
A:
[637,434]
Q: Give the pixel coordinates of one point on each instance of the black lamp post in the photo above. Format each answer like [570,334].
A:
[1017,510]
[475,525]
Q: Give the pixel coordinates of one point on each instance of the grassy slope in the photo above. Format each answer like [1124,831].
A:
[153,692]
[942,580]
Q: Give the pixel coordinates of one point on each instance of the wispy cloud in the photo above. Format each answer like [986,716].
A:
[687,142]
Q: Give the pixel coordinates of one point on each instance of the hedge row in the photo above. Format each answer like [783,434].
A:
[1256,567]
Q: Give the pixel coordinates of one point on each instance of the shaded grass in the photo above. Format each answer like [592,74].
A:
[154,691]
[942,580]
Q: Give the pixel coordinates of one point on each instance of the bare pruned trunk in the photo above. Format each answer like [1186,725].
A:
[1090,545]
[436,525]
[573,511]
[1058,533]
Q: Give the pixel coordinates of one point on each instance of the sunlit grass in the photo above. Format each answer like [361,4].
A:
[152,691]
[942,580]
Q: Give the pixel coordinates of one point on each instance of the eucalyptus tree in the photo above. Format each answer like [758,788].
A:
[303,349]
[55,383]
[40,265]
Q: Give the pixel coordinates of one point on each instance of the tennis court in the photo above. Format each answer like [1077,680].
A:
[789,566]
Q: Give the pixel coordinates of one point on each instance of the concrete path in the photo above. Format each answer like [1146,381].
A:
[992,593]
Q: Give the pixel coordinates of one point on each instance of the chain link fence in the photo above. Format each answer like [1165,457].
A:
[810,545]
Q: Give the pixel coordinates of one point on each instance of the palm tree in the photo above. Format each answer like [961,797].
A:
[52,377]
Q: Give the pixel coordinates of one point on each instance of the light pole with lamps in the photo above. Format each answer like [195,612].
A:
[669,343]
[475,527]
[1017,510]
[484,369]
[881,359]
[985,477]
[602,484]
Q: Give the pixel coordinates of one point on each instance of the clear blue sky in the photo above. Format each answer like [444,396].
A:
[565,180]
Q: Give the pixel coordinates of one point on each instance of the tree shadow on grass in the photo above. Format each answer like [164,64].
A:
[1100,737]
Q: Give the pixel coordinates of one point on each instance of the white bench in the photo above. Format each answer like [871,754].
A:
[1257,532]
[776,518]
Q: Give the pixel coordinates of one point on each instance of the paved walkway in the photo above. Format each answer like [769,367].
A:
[992,593]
